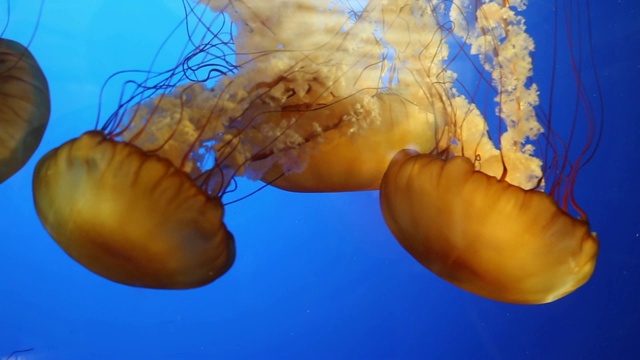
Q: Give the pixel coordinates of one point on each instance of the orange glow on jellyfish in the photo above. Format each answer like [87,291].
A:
[24,106]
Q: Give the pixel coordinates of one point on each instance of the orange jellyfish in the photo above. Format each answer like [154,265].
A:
[326,94]
[481,222]
[122,202]
[25,106]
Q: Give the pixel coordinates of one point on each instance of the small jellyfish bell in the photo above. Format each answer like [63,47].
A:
[24,106]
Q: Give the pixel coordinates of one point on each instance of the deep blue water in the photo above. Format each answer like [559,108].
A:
[317,276]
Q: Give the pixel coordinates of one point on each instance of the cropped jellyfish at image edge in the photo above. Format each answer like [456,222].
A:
[321,97]
[24,106]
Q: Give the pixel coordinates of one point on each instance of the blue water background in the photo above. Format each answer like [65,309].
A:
[317,276]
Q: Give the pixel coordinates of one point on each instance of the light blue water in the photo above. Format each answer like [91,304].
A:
[317,275]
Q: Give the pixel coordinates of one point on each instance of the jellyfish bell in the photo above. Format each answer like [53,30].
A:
[129,216]
[320,96]
[24,106]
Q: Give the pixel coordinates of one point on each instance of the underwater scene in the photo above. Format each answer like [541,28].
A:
[319,179]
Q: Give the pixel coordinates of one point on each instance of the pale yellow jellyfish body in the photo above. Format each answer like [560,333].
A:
[24,106]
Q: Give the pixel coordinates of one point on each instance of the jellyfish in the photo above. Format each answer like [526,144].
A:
[317,108]
[490,230]
[127,200]
[24,95]
[483,234]
[132,214]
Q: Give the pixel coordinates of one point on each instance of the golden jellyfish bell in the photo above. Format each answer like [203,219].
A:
[486,236]
[24,106]
[130,216]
